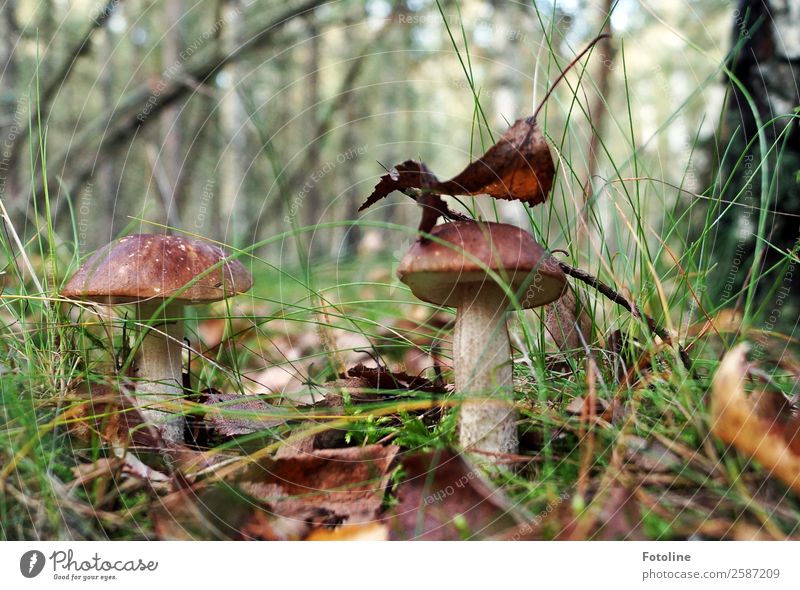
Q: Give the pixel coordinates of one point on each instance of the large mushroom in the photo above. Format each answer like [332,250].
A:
[453,269]
[148,270]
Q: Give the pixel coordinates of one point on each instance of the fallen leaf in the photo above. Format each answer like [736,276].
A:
[445,497]
[220,512]
[108,411]
[575,407]
[381,378]
[518,167]
[235,415]
[567,323]
[649,456]
[726,320]
[340,491]
[754,429]
[613,515]
[363,532]
[342,485]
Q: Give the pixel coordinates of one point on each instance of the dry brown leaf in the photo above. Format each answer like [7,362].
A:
[576,406]
[774,441]
[444,497]
[381,378]
[518,167]
[108,411]
[726,320]
[284,499]
[567,322]
[219,512]
[345,485]
[235,415]
[361,532]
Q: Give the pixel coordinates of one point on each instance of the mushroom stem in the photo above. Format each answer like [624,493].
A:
[482,363]
[159,362]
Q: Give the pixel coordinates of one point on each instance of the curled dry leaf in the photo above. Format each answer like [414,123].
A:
[518,167]
[754,428]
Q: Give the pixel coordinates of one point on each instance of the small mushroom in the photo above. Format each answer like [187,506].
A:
[452,270]
[147,270]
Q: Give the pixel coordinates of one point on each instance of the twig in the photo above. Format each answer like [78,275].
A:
[570,65]
[623,301]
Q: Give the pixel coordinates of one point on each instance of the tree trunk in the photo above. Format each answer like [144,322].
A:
[232,117]
[766,42]
[13,108]
[172,132]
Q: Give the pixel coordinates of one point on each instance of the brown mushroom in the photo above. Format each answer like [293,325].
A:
[453,269]
[148,270]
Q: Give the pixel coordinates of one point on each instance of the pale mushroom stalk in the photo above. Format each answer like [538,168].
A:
[483,371]
[159,364]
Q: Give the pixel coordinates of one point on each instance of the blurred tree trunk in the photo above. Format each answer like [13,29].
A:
[766,43]
[105,195]
[353,198]
[173,143]
[313,207]
[10,116]
[233,158]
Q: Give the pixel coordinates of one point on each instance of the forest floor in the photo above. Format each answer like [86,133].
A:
[349,428]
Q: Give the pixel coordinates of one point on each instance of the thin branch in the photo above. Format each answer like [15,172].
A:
[560,77]
[623,301]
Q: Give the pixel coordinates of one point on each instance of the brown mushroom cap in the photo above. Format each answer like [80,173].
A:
[433,269]
[149,266]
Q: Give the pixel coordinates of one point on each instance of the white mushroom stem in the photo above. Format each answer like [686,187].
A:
[482,363]
[159,366]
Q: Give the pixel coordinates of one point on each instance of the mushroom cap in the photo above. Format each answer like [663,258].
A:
[433,269]
[145,267]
